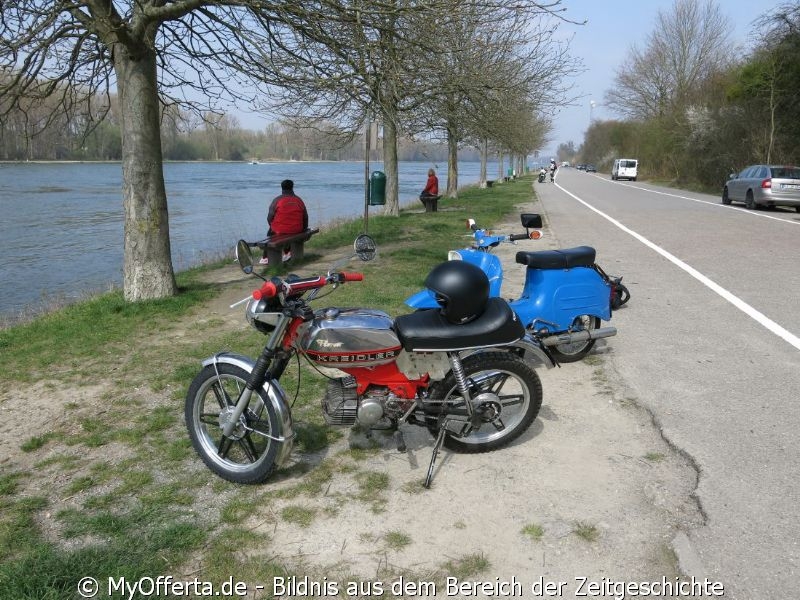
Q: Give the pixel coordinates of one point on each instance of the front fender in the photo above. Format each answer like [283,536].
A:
[284,432]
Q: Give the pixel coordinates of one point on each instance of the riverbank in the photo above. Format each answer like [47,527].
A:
[99,480]
[62,226]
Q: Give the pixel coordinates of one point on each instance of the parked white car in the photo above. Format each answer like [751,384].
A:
[625,168]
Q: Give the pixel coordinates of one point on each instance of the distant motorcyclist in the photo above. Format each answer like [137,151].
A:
[553,169]
[542,174]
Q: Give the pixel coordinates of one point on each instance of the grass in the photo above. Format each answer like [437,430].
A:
[533,531]
[113,487]
[396,540]
[586,531]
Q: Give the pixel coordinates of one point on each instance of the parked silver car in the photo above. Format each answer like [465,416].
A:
[764,185]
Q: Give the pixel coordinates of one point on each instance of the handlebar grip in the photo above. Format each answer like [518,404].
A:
[352,276]
[268,290]
[518,236]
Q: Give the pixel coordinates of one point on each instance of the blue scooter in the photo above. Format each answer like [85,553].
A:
[565,296]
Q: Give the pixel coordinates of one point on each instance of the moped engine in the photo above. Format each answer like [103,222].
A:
[341,405]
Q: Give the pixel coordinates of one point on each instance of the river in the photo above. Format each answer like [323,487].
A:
[61,233]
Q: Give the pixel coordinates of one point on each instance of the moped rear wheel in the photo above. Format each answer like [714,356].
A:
[504,389]
[567,353]
[248,454]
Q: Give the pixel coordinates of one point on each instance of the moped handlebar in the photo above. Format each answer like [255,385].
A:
[271,288]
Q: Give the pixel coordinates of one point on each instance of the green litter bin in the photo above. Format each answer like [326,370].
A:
[377,188]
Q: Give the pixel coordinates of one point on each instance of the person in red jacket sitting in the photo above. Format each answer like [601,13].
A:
[287,214]
[431,187]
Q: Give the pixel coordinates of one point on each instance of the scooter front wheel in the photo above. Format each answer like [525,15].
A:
[248,454]
[567,353]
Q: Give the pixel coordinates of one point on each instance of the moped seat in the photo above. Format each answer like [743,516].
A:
[428,330]
[564,258]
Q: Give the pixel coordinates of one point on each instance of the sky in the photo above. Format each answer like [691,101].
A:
[612,28]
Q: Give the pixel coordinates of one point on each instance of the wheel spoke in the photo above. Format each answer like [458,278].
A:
[511,400]
[209,419]
[249,448]
[222,396]
[225,445]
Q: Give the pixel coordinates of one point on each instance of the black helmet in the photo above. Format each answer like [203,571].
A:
[461,289]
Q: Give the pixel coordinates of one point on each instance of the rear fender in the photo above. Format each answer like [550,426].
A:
[532,352]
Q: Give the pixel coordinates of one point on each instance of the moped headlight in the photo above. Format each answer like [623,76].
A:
[454,255]
[254,307]
[264,315]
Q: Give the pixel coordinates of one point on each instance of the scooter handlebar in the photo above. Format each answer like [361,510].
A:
[518,236]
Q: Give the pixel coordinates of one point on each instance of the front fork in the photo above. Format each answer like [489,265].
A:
[259,374]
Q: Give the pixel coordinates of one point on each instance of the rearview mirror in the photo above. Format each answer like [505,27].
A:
[244,257]
[531,220]
[365,247]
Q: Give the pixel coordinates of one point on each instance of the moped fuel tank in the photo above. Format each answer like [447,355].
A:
[350,337]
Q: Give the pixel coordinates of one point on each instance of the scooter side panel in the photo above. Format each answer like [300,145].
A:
[558,296]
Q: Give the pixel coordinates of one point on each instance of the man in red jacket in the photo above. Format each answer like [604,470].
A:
[287,214]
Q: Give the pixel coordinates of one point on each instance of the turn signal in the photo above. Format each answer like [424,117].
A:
[535,234]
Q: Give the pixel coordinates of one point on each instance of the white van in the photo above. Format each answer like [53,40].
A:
[625,168]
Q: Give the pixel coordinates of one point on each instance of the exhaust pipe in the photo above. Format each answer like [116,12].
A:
[579,336]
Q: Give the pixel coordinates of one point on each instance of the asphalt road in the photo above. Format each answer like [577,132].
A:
[709,343]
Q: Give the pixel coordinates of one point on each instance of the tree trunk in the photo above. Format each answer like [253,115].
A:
[484,159]
[452,163]
[500,160]
[147,262]
[392,207]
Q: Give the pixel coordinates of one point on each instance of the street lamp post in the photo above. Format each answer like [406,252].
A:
[591,110]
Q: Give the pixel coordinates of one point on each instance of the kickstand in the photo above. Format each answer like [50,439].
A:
[436,447]
[399,441]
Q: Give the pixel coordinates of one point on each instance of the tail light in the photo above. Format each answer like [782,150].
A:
[766,184]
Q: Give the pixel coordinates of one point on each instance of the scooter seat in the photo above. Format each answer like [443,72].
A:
[428,330]
[565,258]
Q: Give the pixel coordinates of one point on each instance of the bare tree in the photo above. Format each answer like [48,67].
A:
[154,53]
[360,74]
[493,57]
[686,45]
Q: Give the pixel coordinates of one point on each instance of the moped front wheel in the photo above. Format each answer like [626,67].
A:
[567,353]
[248,454]
[505,391]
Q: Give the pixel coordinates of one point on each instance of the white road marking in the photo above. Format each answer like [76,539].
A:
[751,312]
[718,204]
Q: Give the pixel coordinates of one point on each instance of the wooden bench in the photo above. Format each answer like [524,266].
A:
[431,203]
[275,244]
